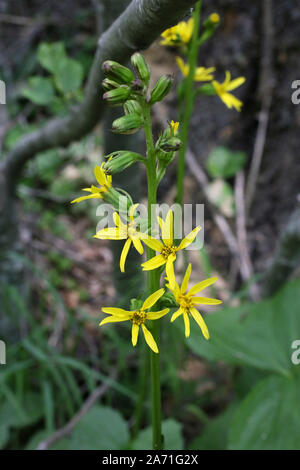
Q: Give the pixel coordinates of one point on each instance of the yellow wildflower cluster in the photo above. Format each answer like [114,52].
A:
[166,250]
[180,35]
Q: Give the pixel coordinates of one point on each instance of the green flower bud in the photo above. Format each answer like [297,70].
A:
[141,68]
[117,72]
[161,88]
[132,107]
[128,124]
[118,200]
[108,84]
[118,95]
[171,144]
[120,160]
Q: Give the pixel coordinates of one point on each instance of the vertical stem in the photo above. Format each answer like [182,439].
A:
[153,283]
[189,101]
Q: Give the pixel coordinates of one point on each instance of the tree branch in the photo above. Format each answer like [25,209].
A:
[138,26]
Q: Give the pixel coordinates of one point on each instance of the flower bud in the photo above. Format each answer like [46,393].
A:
[141,68]
[132,107]
[171,145]
[108,84]
[118,95]
[161,88]
[210,25]
[121,160]
[128,124]
[117,72]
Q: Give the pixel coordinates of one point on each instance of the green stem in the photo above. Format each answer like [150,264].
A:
[189,101]
[153,283]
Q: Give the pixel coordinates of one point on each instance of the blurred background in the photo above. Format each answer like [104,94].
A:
[64,382]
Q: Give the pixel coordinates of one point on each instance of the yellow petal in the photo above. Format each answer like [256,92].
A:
[167,228]
[186,279]
[120,312]
[177,314]
[134,334]
[169,266]
[111,233]
[236,83]
[201,322]
[189,238]
[156,315]
[187,327]
[124,254]
[90,196]
[153,243]
[132,211]
[152,299]
[100,175]
[153,263]
[206,301]
[171,276]
[149,339]
[112,319]
[138,245]
[201,285]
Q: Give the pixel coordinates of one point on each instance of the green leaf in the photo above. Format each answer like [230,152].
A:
[51,54]
[268,418]
[68,75]
[221,195]
[101,428]
[224,163]
[171,430]
[39,90]
[258,335]
[215,433]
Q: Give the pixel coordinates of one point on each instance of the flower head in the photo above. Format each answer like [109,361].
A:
[188,300]
[222,90]
[174,127]
[202,74]
[123,231]
[178,35]
[138,318]
[104,181]
[167,250]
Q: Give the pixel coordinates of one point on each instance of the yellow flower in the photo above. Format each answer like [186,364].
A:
[179,34]
[222,90]
[104,181]
[214,18]
[138,318]
[202,74]
[167,250]
[123,231]
[187,300]
[174,127]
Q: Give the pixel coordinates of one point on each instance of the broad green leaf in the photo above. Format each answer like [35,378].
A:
[101,428]
[215,433]
[39,90]
[51,54]
[224,163]
[26,412]
[221,195]
[258,335]
[171,430]
[68,75]
[269,417]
